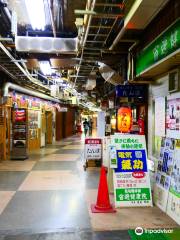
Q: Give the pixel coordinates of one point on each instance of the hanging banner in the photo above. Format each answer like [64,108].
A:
[164,173]
[93,148]
[131,177]
[173,206]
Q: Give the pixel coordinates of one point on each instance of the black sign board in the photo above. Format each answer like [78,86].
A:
[134,91]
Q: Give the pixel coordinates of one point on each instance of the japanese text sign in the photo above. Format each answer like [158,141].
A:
[131,161]
[131,177]
[165,44]
[93,148]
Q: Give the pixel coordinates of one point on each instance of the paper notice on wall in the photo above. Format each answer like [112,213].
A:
[160,116]
[173,118]
[164,172]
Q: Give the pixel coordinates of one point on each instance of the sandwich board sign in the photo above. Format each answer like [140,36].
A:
[131,177]
[93,148]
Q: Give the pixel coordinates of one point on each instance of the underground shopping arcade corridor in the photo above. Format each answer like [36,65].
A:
[49,195]
[89,119]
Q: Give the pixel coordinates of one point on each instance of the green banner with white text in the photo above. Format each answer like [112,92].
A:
[167,43]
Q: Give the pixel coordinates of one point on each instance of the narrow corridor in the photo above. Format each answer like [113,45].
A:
[50,192]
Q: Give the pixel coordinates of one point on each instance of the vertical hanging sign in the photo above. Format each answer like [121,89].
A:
[131,177]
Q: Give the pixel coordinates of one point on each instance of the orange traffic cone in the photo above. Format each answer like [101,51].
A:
[103,203]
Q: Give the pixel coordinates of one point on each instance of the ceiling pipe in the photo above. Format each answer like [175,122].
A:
[6,9]
[119,36]
[52,17]
[136,5]
[7,72]
[6,39]
[85,38]
[24,71]
[30,92]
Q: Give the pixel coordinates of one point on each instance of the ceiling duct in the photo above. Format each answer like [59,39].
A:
[30,92]
[46,44]
[91,82]
[110,75]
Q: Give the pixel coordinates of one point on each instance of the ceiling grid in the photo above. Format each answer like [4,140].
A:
[98,31]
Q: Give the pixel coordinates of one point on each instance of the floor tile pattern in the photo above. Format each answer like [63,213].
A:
[5,197]
[16,165]
[72,235]
[48,197]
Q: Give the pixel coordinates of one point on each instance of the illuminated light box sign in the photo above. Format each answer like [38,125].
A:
[93,148]
[167,43]
[131,177]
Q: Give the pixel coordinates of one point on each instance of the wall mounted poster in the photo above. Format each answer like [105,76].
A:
[164,172]
[131,177]
[33,123]
[173,118]
[160,113]
[173,206]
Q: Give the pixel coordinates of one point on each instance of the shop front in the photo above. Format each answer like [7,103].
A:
[131,112]
[27,124]
[160,62]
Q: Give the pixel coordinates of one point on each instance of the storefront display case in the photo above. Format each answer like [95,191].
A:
[19,134]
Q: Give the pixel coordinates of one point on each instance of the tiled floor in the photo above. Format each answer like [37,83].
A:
[60,157]
[50,194]
[71,235]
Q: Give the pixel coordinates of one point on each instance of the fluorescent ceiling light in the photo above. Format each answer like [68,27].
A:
[35,9]
[45,67]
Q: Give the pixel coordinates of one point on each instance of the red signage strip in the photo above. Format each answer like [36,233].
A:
[93,141]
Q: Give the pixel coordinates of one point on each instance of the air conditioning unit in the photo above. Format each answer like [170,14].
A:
[46,44]
[174,81]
